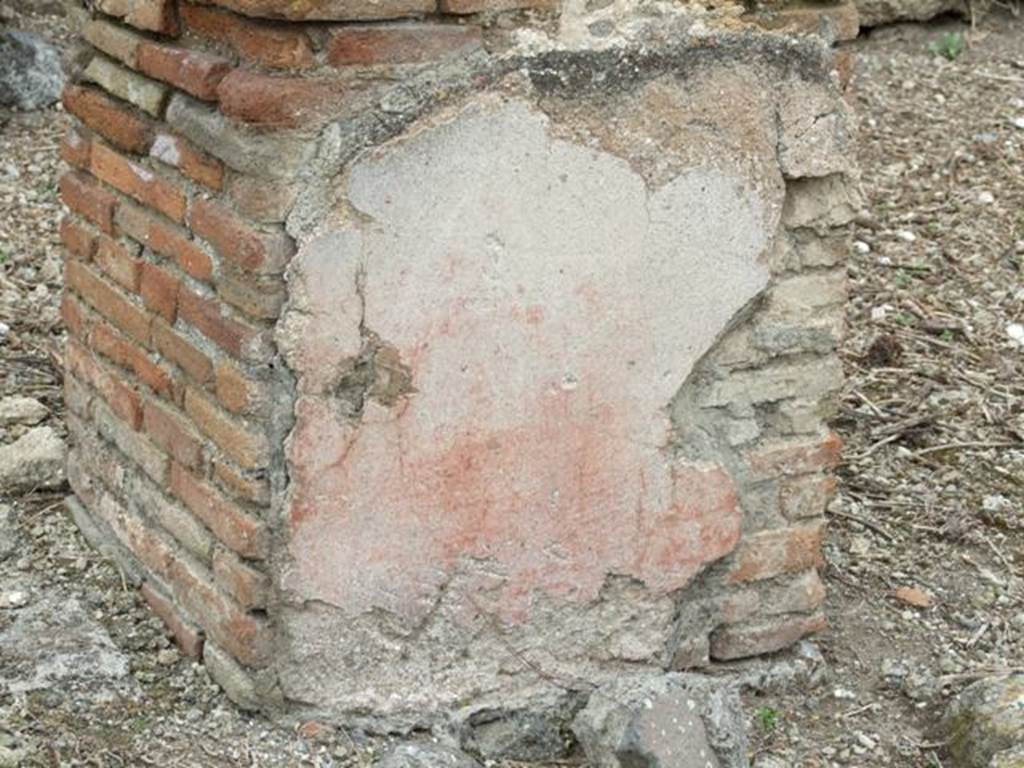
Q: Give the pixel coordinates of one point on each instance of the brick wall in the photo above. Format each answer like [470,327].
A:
[195,174]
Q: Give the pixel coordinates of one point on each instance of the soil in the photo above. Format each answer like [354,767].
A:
[926,543]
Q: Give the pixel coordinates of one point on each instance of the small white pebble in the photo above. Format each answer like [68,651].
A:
[861,247]
[1016,332]
[986,198]
[906,235]
[1018,122]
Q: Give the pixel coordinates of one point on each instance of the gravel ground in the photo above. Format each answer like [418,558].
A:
[926,547]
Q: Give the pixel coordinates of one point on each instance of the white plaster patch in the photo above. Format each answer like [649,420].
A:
[501,263]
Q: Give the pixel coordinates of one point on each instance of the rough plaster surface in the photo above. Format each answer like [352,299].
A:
[486,341]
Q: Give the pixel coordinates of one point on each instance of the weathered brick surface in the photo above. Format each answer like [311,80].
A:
[153,15]
[182,352]
[120,350]
[127,85]
[195,164]
[172,432]
[330,10]
[123,401]
[165,239]
[76,149]
[240,242]
[232,525]
[242,442]
[193,72]
[249,586]
[772,553]
[188,637]
[159,291]
[279,47]
[109,302]
[208,316]
[77,238]
[119,261]
[114,40]
[281,102]
[139,182]
[404,43]
[110,119]
[88,199]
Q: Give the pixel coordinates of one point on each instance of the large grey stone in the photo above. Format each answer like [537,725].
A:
[8,540]
[876,12]
[35,460]
[30,71]
[22,410]
[53,643]
[281,154]
[416,755]
[668,721]
[986,720]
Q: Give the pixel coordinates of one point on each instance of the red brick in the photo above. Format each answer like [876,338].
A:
[402,43]
[89,200]
[241,484]
[74,319]
[479,6]
[130,443]
[124,401]
[329,10]
[768,554]
[109,118]
[76,149]
[194,72]
[244,636]
[160,292]
[279,47]
[188,637]
[207,317]
[739,641]
[282,102]
[119,350]
[153,15]
[797,458]
[77,238]
[231,524]
[247,585]
[238,392]
[180,351]
[165,239]
[172,432]
[244,446]
[109,302]
[238,241]
[118,262]
[138,182]
[195,164]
